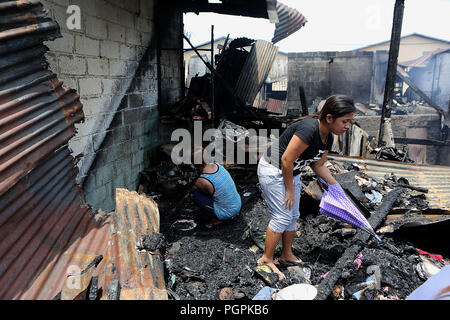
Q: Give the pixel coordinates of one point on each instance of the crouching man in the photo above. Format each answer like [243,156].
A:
[215,193]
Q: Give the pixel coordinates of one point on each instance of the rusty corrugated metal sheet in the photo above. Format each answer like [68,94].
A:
[432,177]
[290,20]
[41,212]
[46,230]
[37,114]
[255,70]
[276,106]
[140,274]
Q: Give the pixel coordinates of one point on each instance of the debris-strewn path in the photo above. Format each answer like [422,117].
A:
[200,263]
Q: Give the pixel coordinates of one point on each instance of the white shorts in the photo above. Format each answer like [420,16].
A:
[273,189]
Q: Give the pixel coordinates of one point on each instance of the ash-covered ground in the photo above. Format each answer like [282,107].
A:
[219,263]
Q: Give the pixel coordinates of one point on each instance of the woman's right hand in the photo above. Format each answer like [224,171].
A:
[288,199]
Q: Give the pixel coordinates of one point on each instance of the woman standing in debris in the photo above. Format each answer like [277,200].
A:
[215,192]
[305,142]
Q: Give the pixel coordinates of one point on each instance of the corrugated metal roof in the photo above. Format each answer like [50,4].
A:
[255,70]
[290,20]
[276,106]
[46,230]
[432,177]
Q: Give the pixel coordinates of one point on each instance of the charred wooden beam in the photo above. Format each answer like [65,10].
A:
[392,67]
[303,101]
[408,186]
[326,286]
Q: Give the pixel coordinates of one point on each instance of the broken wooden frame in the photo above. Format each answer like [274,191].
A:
[360,239]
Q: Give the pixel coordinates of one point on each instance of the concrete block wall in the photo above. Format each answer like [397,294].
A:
[400,123]
[171,54]
[324,73]
[171,68]
[112,62]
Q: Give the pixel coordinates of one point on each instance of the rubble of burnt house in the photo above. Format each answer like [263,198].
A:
[90,194]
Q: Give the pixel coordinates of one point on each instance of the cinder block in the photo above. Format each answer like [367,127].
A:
[125,18]
[127,52]
[64,44]
[116,32]
[130,116]
[96,28]
[87,46]
[107,11]
[108,173]
[110,86]
[90,86]
[133,37]
[98,67]
[137,130]
[109,49]
[118,68]
[121,134]
[110,155]
[119,181]
[121,150]
[144,24]
[128,172]
[72,65]
[96,196]
[135,100]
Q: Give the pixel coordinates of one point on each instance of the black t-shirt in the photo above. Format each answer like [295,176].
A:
[308,131]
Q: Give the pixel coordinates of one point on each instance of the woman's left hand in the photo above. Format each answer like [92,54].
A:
[288,199]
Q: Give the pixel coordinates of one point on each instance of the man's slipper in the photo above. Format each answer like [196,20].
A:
[291,263]
[268,274]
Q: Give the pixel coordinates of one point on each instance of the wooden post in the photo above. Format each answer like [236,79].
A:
[212,76]
[391,68]
[301,91]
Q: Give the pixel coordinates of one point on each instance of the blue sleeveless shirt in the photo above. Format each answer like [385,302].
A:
[227,202]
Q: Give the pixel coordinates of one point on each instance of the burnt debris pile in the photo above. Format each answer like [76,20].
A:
[343,263]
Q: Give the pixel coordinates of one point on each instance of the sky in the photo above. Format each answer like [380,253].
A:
[333,25]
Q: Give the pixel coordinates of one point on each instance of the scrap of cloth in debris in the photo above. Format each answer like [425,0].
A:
[336,205]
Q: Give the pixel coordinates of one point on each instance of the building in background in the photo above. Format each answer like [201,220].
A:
[412,46]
